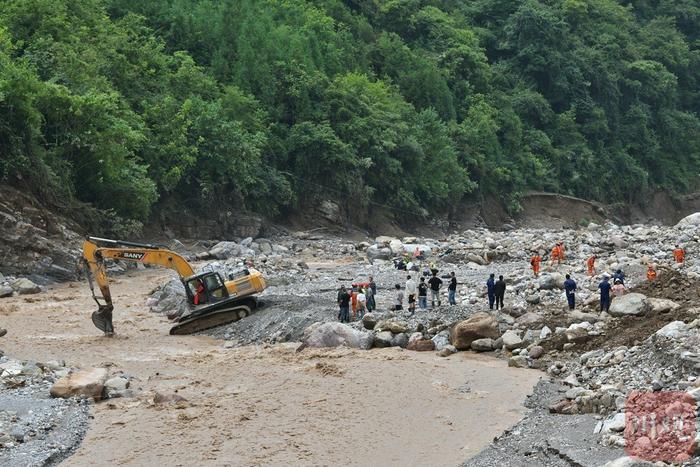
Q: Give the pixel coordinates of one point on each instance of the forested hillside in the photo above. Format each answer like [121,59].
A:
[414,104]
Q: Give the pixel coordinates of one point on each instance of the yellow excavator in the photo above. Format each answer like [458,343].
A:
[213,301]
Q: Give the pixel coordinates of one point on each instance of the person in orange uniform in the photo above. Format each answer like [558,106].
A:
[679,254]
[651,272]
[535,263]
[591,265]
[558,253]
[353,301]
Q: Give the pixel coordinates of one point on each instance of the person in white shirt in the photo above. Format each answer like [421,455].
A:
[411,292]
[361,303]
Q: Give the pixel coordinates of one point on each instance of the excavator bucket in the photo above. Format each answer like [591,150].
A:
[102,319]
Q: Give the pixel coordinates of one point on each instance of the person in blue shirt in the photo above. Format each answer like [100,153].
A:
[619,275]
[491,290]
[570,288]
[605,293]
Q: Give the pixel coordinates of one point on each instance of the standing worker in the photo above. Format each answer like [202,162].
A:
[605,293]
[679,254]
[570,288]
[500,289]
[411,291]
[535,262]
[435,283]
[344,305]
[398,301]
[590,263]
[370,298]
[452,289]
[361,303]
[491,290]
[651,272]
[422,294]
[619,275]
[558,253]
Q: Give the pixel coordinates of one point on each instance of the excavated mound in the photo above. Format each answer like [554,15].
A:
[632,330]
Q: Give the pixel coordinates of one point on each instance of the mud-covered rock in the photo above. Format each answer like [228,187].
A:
[87,382]
[335,335]
[479,326]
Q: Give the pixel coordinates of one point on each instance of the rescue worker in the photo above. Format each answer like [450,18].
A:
[535,262]
[370,298]
[499,289]
[605,293]
[570,288]
[353,300]
[398,301]
[651,272]
[558,253]
[679,254]
[490,290]
[371,303]
[590,263]
[361,303]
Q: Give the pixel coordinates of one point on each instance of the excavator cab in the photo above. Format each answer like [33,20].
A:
[205,288]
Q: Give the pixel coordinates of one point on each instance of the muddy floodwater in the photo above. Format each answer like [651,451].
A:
[263,404]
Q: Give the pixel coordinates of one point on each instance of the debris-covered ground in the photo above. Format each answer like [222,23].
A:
[592,360]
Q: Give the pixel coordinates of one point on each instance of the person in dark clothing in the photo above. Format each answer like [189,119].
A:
[619,275]
[452,289]
[605,294]
[570,288]
[344,305]
[499,289]
[435,283]
[371,302]
[490,284]
[422,294]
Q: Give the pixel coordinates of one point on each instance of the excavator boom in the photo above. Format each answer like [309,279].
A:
[220,302]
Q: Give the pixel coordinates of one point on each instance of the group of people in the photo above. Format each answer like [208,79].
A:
[359,299]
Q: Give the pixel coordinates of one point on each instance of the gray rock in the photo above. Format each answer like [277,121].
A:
[447,351]
[336,334]
[383,339]
[481,325]
[550,281]
[441,340]
[483,345]
[5,291]
[225,250]
[533,299]
[673,330]
[632,304]
[511,340]
[24,286]
[518,361]
[378,252]
[529,319]
[536,352]
[693,220]
[400,340]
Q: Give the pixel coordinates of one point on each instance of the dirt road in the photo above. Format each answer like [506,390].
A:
[261,405]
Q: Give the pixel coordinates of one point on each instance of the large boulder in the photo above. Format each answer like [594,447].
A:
[479,326]
[692,220]
[632,304]
[24,286]
[169,299]
[225,250]
[383,339]
[662,305]
[394,326]
[6,291]
[378,252]
[441,340]
[420,344]
[396,246]
[336,335]
[550,281]
[89,383]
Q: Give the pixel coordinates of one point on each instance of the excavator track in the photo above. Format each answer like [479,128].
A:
[215,315]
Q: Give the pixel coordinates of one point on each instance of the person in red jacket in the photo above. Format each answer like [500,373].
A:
[590,263]
[535,263]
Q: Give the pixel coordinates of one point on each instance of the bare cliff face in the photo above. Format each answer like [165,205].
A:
[35,242]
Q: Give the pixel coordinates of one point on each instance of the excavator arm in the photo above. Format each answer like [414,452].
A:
[96,250]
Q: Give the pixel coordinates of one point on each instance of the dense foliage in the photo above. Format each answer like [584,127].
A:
[414,104]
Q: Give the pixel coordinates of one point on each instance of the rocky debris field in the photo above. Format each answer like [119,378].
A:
[45,408]
[647,341]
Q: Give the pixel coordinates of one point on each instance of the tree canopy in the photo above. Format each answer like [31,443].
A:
[414,104]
